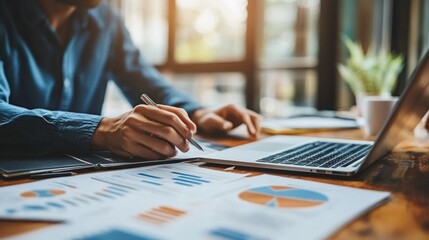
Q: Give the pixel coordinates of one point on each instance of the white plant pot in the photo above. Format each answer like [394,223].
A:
[361,95]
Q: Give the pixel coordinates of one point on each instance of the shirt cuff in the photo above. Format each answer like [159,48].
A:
[75,131]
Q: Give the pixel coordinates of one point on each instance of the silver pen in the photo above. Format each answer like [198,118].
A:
[146,99]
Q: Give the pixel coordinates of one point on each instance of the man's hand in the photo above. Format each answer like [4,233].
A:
[146,131]
[227,118]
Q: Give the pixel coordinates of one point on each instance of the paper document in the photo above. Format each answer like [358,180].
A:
[262,207]
[59,199]
[169,179]
[68,198]
[302,124]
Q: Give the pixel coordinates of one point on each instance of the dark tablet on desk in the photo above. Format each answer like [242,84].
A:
[10,164]
[13,167]
[19,166]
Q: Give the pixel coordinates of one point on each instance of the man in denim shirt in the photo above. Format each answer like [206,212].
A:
[56,57]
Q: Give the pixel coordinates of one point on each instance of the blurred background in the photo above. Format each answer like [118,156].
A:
[277,57]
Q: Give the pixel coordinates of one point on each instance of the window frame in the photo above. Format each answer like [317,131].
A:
[251,64]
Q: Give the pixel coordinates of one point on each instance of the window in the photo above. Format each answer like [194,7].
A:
[210,30]
[224,51]
[212,89]
[287,92]
[290,29]
[289,57]
[147,23]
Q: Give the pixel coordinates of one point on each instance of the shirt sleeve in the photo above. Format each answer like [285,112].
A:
[38,131]
[135,76]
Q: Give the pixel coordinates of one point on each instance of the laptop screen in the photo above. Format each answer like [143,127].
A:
[408,112]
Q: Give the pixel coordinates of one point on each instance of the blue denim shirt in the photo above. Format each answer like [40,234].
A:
[51,92]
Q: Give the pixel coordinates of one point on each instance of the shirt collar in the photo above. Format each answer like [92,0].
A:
[93,15]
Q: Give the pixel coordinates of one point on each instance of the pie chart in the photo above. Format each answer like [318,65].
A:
[42,193]
[283,197]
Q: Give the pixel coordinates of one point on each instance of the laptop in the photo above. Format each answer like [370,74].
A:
[334,156]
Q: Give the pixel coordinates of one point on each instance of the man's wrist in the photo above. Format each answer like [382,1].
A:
[98,139]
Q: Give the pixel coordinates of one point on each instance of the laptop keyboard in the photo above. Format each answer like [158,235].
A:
[320,154]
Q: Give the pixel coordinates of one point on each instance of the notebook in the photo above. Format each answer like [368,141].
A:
[334,156]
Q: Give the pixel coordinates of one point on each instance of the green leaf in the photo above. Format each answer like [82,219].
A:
[372,72]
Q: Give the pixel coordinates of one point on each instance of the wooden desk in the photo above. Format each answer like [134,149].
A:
[404,173]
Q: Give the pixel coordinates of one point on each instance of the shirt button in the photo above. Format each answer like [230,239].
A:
[66,83]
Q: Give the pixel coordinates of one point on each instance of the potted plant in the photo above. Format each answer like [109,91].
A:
[370,74]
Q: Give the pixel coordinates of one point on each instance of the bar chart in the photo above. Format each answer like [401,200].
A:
[229,234]
[172,179]
[161,215]
[116,234]
[62,199]
[168,177]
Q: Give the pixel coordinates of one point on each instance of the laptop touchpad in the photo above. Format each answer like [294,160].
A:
[274,144]
[270,146]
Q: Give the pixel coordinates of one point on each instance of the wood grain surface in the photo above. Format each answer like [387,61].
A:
[404,173]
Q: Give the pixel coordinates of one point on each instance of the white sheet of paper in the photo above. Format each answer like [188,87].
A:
[308,123]
[67,198]
[169,179]
[270,207]
[262,207]
[59,199]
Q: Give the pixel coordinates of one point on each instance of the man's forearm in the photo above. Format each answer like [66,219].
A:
[39,131]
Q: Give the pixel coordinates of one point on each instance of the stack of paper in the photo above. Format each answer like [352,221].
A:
[184,201]
[301,124]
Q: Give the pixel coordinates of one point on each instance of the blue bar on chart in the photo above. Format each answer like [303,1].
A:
[188,180]
[149,175]
[228,234]
[55,205]
[116,234]
[150,179]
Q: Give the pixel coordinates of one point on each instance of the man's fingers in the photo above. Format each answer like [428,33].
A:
[256,119]
[227,125]
[182,114]
[139,125]
[137,150]
[168,118]
[134,145]
[249,123]
[214,122]
[154,135]
[243,116]
[221,124]
[169,134]
[158,145]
